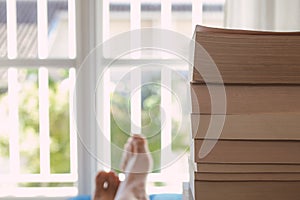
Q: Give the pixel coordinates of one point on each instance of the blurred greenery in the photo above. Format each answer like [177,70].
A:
[59,123]
[29,123]
[151,123]
[120,123]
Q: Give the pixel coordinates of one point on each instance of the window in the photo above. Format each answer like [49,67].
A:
[38,64]
[38,147]
[151,99]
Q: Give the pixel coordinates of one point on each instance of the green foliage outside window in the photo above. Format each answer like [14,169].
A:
[59,124]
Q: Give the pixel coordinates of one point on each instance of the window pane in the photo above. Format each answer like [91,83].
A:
[4,128]
[59,85]
[37,29]
[26,28]
[29,121]
[181,113]
[120,114]
[37,107]
[151,113]
[3,38]
[58,29]
[213,13]
[35,149]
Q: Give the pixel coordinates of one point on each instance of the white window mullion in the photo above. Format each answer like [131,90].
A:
[105,27]
[136,97]
[196,13]
[36,178]
[11,11]
[135,23]
[107,121]
[166,14]
[72,28]
[72,114]
[42,24]
[44,121]
[136,76]
[166,21]
[103,117]
[135,14]
[166,113]
[106,19]
[49,63]
[14,150]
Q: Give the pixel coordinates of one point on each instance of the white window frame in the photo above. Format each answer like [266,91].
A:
[89,18]
[89,33]
[41,63]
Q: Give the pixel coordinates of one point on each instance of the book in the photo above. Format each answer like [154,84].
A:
[245,99]
[250,80]
[246,186]
[246,176]
[252,57]
[247,151]
[232,168]
[263,126]
[246,190]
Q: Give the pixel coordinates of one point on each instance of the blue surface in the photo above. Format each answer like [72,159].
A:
[81,197]
[165,197]
[152,197]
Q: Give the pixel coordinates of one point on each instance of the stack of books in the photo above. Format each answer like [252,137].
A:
[256,154]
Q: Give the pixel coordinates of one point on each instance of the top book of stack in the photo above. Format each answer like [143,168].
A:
[250,57]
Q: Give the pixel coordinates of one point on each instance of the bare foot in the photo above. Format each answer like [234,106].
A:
[106,186]
[137,163]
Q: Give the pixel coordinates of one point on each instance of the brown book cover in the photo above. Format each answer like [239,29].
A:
[244,172]
[244,168]
[245,151]
[245,190]
[246,99]
[257,153]
[246,56]
[246,176]
[263,126]
[258,186]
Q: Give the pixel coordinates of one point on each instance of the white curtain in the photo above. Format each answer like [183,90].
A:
[278,15]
